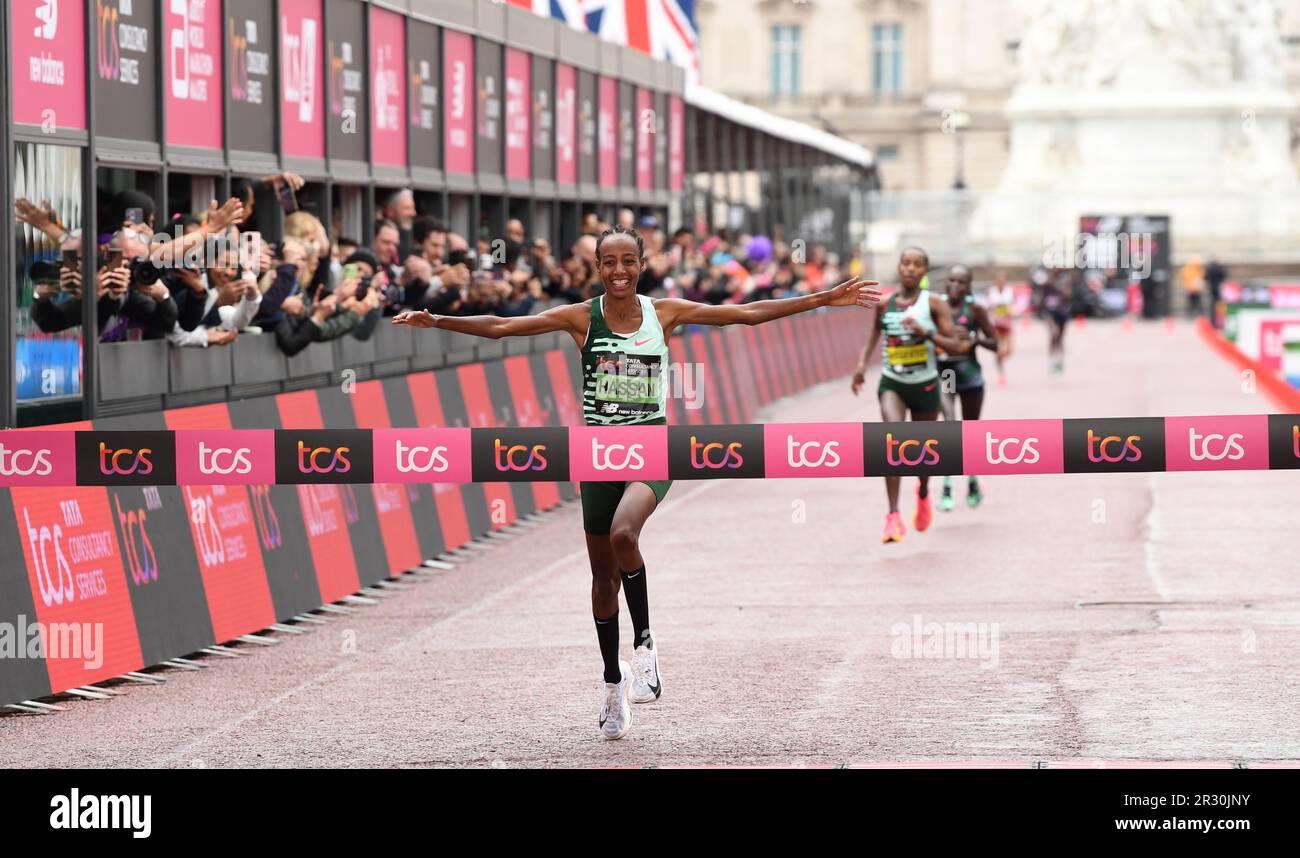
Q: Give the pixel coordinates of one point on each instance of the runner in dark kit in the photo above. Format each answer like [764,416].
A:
[631,331]
[959,373]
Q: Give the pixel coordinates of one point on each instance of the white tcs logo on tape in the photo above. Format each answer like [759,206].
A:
[1026,453]
[601,456]
[798,457]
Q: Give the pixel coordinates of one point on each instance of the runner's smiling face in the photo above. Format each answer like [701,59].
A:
[620,265]
[911,268]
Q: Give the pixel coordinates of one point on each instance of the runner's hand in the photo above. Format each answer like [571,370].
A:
[855,291]
[414,318]
[859,378]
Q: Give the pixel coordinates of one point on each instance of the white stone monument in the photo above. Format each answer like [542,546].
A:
[1171,107]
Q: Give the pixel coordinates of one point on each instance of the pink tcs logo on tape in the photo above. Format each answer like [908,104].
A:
[422,456]
[1220,443]
[38,459]
[225,457]
[598,453]
[1012,447]
[812,450]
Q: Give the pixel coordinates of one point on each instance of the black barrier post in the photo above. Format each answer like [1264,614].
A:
[710,129]
[763,215]
[89,236]
[8,299]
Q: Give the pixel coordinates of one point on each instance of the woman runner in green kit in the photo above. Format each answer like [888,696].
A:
[624,342]
[912,323]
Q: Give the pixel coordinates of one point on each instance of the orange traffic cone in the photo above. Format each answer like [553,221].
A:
[1128,323]
[1169,324]
[1080,320]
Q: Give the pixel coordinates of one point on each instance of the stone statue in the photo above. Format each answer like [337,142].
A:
[1151,44]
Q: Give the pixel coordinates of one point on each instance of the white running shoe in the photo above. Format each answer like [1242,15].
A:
[615,713]
[646,683]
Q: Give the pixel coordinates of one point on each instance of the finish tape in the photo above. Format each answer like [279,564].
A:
[721,451]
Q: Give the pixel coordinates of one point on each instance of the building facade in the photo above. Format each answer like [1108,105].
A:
[922,83]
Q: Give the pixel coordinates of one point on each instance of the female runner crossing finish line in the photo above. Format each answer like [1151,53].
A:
[624,337]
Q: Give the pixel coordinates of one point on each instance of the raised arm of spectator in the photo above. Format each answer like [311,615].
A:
[218,221]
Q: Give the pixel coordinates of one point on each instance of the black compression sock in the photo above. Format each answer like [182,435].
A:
[607,634]
[638,604]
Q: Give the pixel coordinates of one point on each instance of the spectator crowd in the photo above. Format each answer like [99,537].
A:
[197,281]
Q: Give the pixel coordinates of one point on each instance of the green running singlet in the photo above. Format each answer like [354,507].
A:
[624,375]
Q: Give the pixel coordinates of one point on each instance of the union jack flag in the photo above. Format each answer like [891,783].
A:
[664,29]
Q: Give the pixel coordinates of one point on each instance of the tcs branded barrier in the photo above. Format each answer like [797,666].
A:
[207,536]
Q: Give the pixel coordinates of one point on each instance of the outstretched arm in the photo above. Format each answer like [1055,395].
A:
[567,318]
[678,311]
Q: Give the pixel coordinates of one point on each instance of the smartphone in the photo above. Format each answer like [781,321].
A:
[135,215]
[72,259]
[363,289]
[351,271]
[288,201]
[114,258]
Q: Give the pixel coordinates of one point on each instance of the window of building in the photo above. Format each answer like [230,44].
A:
[887,58]
[886,153]
[785,59]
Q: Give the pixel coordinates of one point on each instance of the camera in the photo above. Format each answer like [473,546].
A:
[461,257]
[144,272]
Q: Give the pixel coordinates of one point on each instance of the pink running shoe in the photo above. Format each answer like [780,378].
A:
[894,529]
[921,521]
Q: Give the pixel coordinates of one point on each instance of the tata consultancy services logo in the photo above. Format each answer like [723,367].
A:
[1114,444]
[117,458]
[812,449]
[618,452]
[924,448]
[520,454]
[1012,447]
[710,452]
[1284,440]
[1221,443]
[323,456]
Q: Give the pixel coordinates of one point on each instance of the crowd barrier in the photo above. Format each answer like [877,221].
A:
[122,575]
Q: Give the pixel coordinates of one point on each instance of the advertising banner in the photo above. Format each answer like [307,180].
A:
[388,104]
[302,119]
[48,64]
[192,64]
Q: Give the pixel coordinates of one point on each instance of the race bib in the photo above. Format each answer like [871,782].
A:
[627,385]
[903,356]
